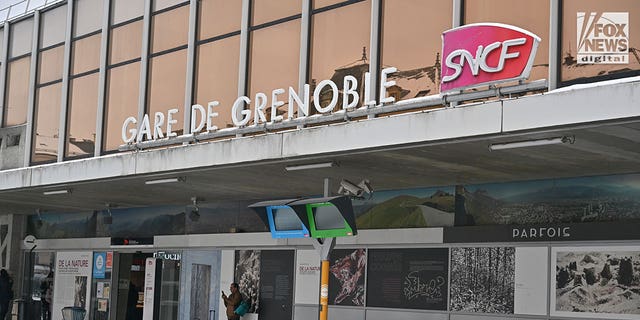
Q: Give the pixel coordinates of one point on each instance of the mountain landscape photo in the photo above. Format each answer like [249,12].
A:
[436,209]
[590,199]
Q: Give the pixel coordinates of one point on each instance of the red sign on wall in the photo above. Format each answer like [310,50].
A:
[485,53]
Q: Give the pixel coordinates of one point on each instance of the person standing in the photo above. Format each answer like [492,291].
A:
[46,289]
[232,301]
[6,293]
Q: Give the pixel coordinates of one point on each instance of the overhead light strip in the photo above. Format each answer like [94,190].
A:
[54,192]
[311,166]
[532,143]
[166,180]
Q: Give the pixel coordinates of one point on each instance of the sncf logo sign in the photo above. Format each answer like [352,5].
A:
[486,53]
[603,37]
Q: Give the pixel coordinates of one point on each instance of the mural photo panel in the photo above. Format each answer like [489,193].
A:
[346,277]
[265,277]
[596,282]
[247,275]
[407,208]
[483,279]
[408,278]
[573,200]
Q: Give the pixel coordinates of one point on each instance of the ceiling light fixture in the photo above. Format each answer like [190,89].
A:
[165,180]
[532,143]
[312,166]
[54,192]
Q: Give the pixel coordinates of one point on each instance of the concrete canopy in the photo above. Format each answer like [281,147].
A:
[430,148]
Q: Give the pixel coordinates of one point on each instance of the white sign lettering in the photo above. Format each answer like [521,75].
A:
[479,62]
[241,115]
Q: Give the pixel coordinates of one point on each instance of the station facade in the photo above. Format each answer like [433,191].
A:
[135,135]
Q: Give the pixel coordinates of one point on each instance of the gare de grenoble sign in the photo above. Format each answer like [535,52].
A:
[474,55]
[203,119]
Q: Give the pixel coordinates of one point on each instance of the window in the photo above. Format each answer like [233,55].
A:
[317,4]
[218,57]
[530,15]
[218,17]
[123,85]
[274,62]
[275,50]
[46,120]
[217,76]
[163,4]
[126,42]
[123,70]
[575,49]
[52,27]
[50,64]
[168,64]
[167,77]
[268,10]
[18,68]
[170,29]
[21,37]
[46,124]
[81,125]
[82,109]
[87,17]
[126,10]
[336,53]
[85,54]
[17,92]
[418,62]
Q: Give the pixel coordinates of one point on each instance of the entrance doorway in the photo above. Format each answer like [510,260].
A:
[198,296]
[131,270]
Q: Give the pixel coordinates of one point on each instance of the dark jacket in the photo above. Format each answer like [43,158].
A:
[232,302]
[6,292]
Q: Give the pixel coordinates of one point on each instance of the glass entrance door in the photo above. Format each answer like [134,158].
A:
[131,270]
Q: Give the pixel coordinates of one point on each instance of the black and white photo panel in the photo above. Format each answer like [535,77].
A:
[596,282]
[483,317]
[482,279]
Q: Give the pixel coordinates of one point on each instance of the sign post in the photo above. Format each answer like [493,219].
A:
[324,247]
[322,219]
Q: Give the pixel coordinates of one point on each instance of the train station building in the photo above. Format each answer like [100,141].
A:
[490,152]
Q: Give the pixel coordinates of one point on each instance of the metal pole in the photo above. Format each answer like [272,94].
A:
[324,291]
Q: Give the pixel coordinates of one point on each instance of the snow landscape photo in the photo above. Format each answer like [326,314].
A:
[599,281]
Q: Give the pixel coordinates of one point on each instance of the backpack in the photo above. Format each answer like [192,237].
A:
[242,308]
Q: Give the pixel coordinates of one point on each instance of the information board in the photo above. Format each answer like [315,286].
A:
[408,278]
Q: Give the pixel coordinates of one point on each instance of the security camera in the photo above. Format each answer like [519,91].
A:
[366,186]
[348,187]
[194,214]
